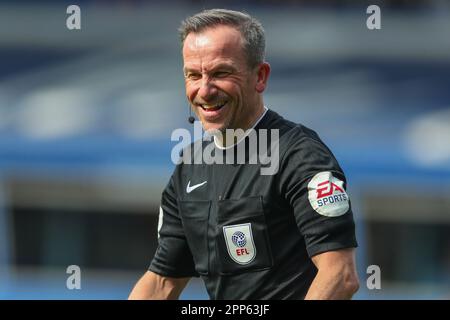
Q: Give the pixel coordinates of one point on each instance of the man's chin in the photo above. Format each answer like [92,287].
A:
[214,128]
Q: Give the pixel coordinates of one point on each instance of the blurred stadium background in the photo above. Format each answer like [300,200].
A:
[86,118]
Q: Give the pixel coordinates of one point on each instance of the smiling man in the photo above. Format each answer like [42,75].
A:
[289,235]
[223,84]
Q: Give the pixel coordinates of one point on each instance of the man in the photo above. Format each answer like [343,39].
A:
[288,235]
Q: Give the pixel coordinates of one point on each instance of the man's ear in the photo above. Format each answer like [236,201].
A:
[263,76]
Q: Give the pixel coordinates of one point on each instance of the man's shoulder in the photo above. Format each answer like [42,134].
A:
[301,144]
[301,147]
[292,133]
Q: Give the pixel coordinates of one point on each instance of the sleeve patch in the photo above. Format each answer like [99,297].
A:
[327,195]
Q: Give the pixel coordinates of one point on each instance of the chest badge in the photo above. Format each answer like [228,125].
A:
[240,244]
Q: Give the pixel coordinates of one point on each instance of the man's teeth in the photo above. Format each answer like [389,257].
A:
[208,107]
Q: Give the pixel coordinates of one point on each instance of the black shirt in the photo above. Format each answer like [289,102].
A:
[251,236]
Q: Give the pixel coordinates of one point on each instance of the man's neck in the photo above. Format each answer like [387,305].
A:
[222,142]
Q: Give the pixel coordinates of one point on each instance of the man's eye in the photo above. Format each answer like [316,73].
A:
[193,76]
[221,74]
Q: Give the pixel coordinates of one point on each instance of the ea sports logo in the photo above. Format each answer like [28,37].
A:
[327,195]
[238,239]
[327,188]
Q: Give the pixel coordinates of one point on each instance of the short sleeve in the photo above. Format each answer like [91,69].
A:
[313,183]
[173,257]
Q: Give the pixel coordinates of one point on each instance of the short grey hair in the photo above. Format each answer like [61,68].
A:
[251,30]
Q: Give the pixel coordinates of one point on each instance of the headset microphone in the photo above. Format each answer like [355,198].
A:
[191,119]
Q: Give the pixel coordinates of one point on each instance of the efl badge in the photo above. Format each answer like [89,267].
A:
[239,240]
[327,195]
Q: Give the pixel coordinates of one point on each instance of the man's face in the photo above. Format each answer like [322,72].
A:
[220,86]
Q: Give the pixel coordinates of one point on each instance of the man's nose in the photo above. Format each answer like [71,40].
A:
[207,90]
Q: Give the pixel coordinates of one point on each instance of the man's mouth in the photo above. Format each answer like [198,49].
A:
[213,107]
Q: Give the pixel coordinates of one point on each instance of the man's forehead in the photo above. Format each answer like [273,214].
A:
[196,64]
[200,41]
[219,40]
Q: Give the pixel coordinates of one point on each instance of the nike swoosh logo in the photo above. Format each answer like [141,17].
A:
[189,189]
